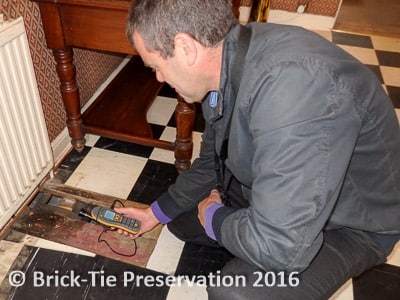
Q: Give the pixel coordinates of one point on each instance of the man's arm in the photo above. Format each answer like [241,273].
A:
[192,185]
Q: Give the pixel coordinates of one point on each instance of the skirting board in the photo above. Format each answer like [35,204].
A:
[308,21]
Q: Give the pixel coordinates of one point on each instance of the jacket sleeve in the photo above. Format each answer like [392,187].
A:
[192,185]
[303,132]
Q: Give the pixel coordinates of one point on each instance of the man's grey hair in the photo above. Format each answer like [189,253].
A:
[158,21]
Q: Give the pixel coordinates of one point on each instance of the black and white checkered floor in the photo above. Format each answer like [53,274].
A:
[142,173]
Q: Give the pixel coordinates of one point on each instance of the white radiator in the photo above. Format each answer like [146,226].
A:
[25,151]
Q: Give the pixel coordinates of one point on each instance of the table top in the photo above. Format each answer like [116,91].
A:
[115,4]
[89,24]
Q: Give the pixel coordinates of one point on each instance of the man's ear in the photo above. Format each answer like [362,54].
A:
[186,45]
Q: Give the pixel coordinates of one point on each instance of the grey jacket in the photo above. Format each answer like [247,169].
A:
[314,140]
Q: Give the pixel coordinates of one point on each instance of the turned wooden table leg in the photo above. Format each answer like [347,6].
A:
[184,114]
[70,94]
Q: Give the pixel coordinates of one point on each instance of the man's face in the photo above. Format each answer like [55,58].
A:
[173,70]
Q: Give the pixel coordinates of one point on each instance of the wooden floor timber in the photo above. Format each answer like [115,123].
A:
[53,215]
[369,17]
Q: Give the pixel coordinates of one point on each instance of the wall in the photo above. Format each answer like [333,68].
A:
[92,67]
[316,7]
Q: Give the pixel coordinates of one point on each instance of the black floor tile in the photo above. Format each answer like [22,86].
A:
[199,122]
[74,158]
[386,58]
[167,91]
[381,282]
[154,180]
[123,147]
[157,130]
[394,95]
[356,40]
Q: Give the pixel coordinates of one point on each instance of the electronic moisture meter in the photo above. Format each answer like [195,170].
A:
[113,219]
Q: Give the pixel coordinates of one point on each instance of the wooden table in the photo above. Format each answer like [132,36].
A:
[120,112]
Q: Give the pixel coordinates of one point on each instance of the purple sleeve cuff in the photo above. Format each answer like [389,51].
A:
[210,211]
[163,218]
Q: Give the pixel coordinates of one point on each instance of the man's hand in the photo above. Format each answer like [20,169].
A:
[144,215]
[214,197]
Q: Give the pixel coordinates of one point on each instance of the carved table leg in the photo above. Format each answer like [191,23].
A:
[184,114]
[70,94]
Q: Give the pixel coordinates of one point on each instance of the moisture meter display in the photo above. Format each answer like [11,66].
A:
[109,215]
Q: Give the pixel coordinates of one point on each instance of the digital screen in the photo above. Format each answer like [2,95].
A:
[109,215]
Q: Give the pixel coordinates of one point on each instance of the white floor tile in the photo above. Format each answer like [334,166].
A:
[386,43]
[161,110]
[91,139]
[326,34]
[41,243]
[187,291]
[345,292]
[8,253]
[398,114]
[166,254]
[391,75]
[365,55]
[167,156]
[394,257]
[197,138]
[107,172]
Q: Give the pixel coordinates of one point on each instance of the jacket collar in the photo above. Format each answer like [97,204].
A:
[217,102]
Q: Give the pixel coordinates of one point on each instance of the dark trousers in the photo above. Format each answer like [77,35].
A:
[344,254]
